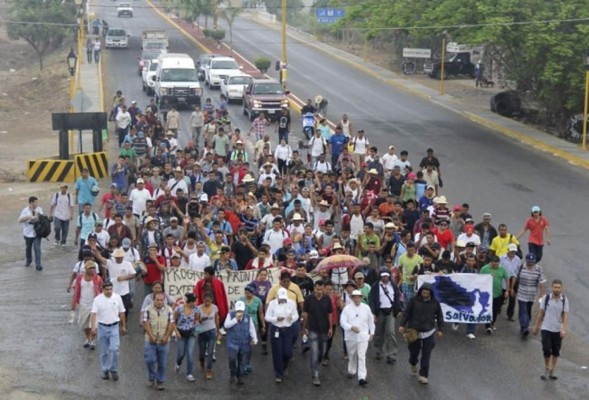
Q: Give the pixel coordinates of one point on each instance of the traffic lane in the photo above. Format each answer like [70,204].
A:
[491,172]
[38,303]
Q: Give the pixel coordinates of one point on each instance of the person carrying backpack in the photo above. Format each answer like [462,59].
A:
[530,280]
[552,321]
[28,217]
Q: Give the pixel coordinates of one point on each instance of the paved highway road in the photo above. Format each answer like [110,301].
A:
[492,173]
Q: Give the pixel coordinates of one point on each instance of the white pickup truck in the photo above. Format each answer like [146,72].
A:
[124,8]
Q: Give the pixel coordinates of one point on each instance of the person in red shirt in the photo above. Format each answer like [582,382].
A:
[538,225]
[109,199]
[445,236]
[155,265]
[214,286]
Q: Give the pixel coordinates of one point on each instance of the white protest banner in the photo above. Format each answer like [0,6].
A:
[179,281]
[465,298]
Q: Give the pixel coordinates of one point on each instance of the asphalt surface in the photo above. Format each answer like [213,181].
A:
[483,168]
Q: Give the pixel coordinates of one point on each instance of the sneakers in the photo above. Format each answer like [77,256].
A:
[414,369]
[114,375]
[160,386]
[150,383]
[325,362]
[177,368]
[190,378]
[316,381]
[87,344]
[56,243]
[363,382]
[471,336]
[552,376]
[422,380]
[105,376]
[351,375]
[545,375]
[39,268]
[489,331]
[92,345]
[455,326]
[209,374]
[278,380]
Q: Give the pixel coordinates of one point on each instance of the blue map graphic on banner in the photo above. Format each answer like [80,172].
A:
[458,297]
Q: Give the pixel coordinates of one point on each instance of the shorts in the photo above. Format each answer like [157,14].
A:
[551,343]
[84,316]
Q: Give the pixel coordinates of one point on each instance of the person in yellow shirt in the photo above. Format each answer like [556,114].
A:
[502,241]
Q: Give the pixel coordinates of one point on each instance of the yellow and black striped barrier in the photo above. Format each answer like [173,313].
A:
[50,170]
[96,163]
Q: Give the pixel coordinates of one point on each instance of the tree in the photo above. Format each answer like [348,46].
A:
[229,14]
[42,24]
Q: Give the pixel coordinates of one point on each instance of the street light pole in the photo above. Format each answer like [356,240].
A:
[283,66]
[442,88]
[586,102]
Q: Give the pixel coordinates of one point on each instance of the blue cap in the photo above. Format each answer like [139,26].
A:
[531,257]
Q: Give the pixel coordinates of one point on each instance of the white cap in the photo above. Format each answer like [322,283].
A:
[512,247]
[140,180]
[356,293]
[239,306]
[282,294]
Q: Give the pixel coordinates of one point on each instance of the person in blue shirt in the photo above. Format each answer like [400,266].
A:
[86,190]
[337,143]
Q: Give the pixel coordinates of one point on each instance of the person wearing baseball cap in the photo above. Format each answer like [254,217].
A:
[539,229]
[282,316]
[362,286]
[530,279]
[357,322]
[241,335]
[385,303]
[511,261]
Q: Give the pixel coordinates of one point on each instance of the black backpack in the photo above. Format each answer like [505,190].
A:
[43,226]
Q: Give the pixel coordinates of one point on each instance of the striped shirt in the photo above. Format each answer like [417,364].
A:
[529,279]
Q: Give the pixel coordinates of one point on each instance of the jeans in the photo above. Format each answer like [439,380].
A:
[525,314]
[96,56]
[334,158]
[282,135]
[281,348]
[122,133]
[330,342]
[89,55]
[497,305]
[108,343]
[196,134]
[425,346]
[33,245]
[408,290]
[237,361]
[156,354]
[282,166]
[385,341]
[318,343]
[61,228]
[206,345]
[537,250]
[185,348]
[510,306]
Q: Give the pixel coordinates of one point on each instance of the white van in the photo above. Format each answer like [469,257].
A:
[176,80]
[233,85]
[219,68]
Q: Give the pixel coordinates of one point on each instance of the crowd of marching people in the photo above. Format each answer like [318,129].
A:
[213,207]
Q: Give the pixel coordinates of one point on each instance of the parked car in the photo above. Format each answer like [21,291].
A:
[264,95]
[234,85]
[456,64]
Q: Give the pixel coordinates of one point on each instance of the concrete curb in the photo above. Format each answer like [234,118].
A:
[522,137]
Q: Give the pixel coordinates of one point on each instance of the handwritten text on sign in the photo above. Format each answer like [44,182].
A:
[180,281]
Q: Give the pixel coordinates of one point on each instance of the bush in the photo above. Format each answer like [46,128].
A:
[263,64]
[216,34]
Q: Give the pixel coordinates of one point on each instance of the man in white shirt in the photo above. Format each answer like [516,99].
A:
[62,211]
[388,161]
[276,235]
[281,314]
[357,322]
[199,261]
[132,256]
[177,182]
[121,272]
[123,122]
[139,196]
[108,312]
[317,146]
[28,216]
